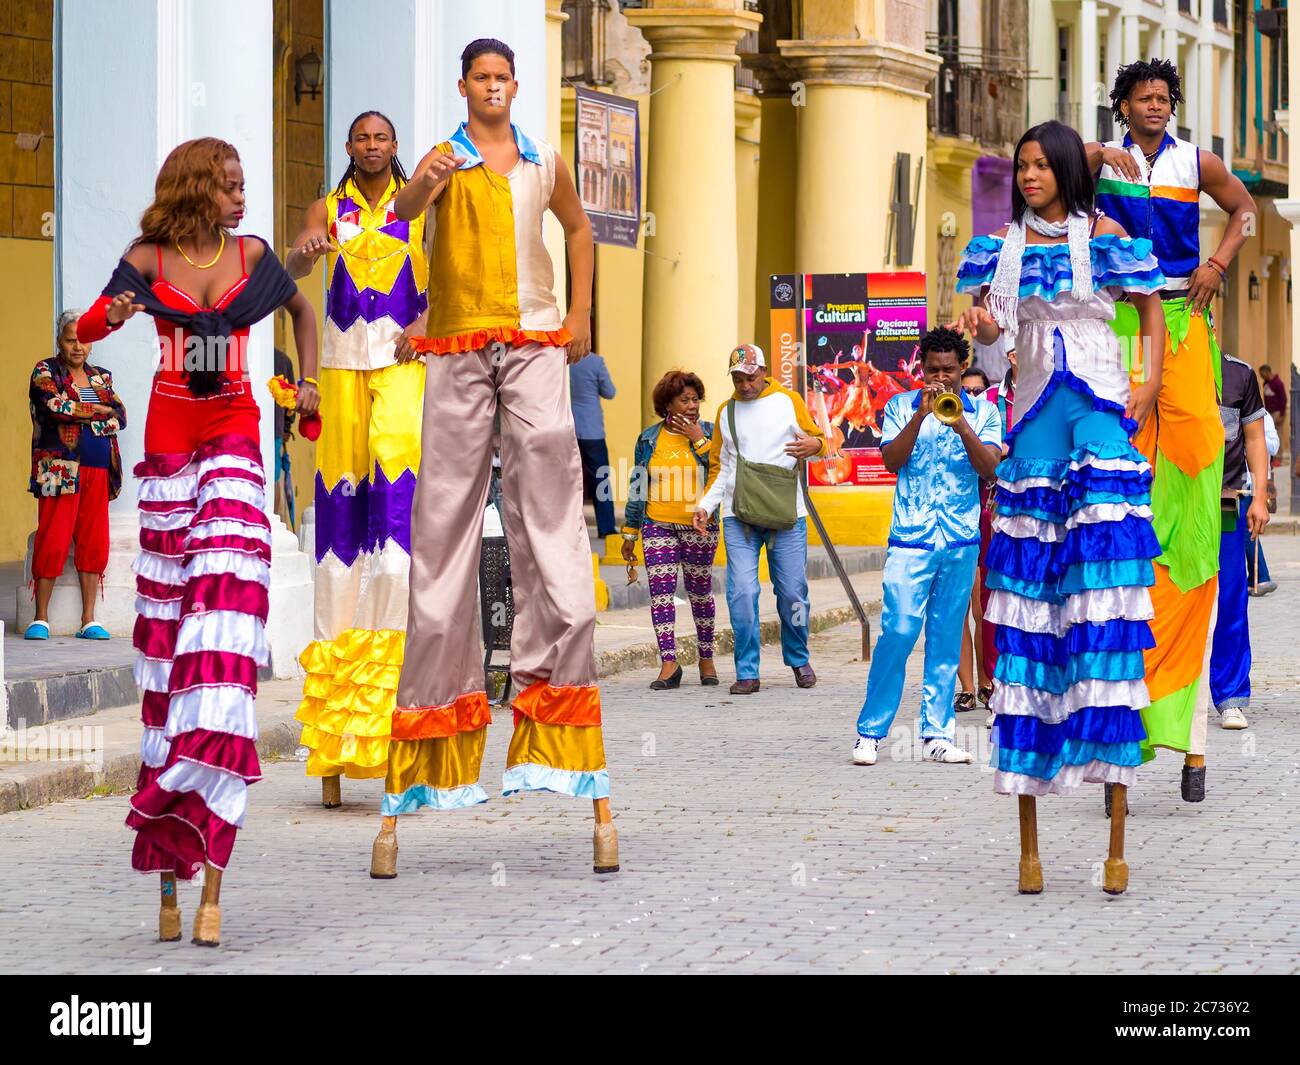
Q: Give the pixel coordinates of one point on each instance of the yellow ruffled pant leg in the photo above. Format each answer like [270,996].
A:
[364,485]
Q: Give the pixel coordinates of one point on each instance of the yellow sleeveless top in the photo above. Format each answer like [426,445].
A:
[490,275]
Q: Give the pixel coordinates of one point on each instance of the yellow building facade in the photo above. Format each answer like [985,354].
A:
[768,137]
[26,245]
[762,126]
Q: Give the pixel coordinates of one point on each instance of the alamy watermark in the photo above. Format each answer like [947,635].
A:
[53,743]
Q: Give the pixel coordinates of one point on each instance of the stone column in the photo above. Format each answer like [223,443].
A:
[862,99]
[691,276]
[1204,128]
[1088,69]
[777,152]
[1132,35]
[1226,112]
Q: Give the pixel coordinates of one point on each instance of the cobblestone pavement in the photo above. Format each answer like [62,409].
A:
[749,843]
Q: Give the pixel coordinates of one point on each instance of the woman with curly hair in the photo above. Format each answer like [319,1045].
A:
[204,568]
[671,466]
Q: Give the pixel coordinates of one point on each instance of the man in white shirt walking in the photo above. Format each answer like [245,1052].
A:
[772,429]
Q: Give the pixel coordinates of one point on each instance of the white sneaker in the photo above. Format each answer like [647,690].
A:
[1233,718]
[988,721]
[864,751]
[940,750]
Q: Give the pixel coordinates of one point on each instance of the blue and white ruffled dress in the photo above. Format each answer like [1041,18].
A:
[1070,559]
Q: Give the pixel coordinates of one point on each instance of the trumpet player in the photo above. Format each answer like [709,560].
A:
[940,442]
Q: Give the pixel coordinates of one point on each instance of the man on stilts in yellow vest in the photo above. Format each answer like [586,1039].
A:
[1151,183]
[367,456]
[496,342]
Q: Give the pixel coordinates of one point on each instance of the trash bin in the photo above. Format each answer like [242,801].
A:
[496,603]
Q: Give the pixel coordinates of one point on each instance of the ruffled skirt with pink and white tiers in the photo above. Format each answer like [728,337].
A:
[202,580]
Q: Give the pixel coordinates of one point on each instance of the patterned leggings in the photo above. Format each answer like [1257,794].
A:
[667,547]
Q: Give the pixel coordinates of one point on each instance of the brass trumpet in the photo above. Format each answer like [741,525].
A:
[947,407]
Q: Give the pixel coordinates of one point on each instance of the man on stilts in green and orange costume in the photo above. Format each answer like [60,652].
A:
[1151,183]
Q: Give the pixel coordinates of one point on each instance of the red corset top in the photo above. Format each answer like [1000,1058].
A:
[174,341]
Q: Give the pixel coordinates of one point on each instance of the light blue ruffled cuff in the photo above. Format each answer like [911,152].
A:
[528,776]
[418,795]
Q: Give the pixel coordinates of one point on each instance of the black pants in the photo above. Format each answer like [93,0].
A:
[595,483]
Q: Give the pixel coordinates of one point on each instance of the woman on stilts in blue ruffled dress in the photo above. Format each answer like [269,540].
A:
[1070,560]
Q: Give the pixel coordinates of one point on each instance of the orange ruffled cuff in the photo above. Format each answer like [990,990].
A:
[481,338]
[569,705]
[466,713]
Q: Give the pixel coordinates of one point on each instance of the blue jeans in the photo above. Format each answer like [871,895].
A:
[1250,547]
[921,587]
[787,562]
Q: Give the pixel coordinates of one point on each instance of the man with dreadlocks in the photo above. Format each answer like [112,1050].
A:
[367,456]
[1151,183]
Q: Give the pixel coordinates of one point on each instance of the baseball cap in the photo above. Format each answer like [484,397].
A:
[746,359]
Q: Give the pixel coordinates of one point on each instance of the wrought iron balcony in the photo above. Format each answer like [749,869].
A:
[983,99]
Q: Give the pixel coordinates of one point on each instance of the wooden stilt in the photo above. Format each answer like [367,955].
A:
[605,840]
[1031,869]
[1114,876]
[383,855]
[207,922]
[169,913]
[331,794]
[1108,795]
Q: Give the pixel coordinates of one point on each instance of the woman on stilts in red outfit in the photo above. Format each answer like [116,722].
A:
[204,568]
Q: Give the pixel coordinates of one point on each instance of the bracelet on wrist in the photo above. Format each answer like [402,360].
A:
[308,381]
[1212,261]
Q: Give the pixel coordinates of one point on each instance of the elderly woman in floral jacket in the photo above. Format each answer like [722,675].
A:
[76,470]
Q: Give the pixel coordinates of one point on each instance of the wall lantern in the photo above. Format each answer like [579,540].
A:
[307,76]
[1252,287]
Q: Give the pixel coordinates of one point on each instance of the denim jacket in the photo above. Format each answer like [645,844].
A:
[639,482]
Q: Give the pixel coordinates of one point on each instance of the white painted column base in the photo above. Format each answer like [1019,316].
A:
[288,628]
[115,609]
[289,624]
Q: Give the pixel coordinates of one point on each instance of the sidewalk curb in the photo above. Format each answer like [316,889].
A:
[640,656]
[25,786]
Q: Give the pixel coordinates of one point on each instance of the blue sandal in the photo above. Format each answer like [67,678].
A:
[37,630]
[93,631]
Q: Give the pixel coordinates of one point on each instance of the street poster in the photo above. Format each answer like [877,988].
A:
[860,336]
[608,152]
